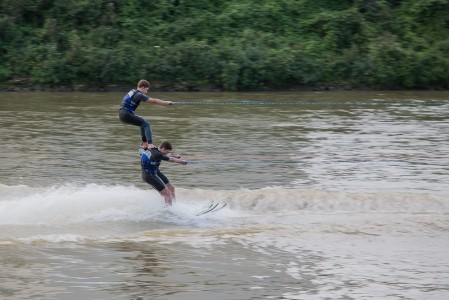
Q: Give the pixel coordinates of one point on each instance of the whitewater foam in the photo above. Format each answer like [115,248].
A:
[22,205]
[71,204]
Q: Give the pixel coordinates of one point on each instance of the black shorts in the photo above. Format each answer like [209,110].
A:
[156,180]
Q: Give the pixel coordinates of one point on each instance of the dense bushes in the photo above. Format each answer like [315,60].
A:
[233,44]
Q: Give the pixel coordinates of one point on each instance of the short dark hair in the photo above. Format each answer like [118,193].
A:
[143,83]
[165,145]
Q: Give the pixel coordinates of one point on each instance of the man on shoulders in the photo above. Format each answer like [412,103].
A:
[130,103]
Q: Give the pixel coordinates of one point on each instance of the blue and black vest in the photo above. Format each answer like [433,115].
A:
[151,159]
[129,103]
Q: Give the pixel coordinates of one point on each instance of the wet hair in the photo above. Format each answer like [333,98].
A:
[165,145]
[143,83]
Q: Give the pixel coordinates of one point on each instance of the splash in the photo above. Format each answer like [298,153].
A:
[102,203]
[72,204]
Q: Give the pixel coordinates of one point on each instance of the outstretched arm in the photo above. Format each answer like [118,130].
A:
[174,155]
[177,160]
[158,101]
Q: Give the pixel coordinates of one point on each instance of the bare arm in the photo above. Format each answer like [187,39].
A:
[158,101]
[174,155]
[177,160]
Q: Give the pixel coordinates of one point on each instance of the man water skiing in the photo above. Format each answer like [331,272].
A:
[150,160]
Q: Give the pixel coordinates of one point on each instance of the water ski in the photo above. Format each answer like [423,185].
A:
[211,207]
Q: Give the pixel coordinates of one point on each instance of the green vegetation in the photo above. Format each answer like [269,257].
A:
[231,44]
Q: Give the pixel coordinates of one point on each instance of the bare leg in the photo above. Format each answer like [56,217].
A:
[167,196]
[171,188]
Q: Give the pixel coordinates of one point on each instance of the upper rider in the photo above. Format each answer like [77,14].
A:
[130,103]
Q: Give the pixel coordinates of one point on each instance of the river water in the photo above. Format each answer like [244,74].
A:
[331,195]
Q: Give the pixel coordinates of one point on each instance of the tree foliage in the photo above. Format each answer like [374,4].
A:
[233,44]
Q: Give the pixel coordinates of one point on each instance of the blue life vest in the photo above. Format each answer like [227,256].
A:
[147,163]
[129,104]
